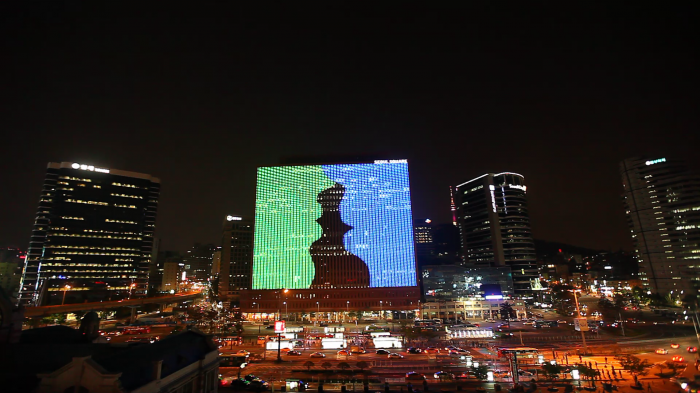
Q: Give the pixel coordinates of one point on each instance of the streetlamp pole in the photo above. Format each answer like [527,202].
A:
[67,287]
[318,311]
[583,334]
[286,311]
[381,309]
[347,309]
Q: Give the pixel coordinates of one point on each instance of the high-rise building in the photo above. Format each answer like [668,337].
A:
[495,227]
[236,258]
[662,203]
[92,237]
[216,262]
[198,262]
[423,235]
[173,267]
[334,237]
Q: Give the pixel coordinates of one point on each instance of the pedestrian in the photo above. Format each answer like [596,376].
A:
[648,387]
[580,358]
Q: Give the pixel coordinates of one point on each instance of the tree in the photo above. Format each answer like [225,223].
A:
[343,366]
[308,365]
[634,364]
[326,365]
[480,372]
[552,371]
[362,365]
[587,373]
[507,311]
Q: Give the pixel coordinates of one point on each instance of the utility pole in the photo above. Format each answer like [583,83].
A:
[622,323]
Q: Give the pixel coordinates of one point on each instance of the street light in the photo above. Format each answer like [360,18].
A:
[131,288]
[381,309]
[318,311]
[67,287]
[286,311]
[347,309]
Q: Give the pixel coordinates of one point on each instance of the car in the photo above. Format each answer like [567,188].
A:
[525,373]
[692,349]
[674,345]
[236,383]
[382,352]
[662,351]
[270,327]
[414,350]
[344,352]
[395,356]
[501,374]
[258,385]
[414,376]
[358,350]
[242,352]
[443,375]
[293,353]
[432,350]
[250,377]
[465,375]
[323,324]
[561,321]
[677,359]
[317,355]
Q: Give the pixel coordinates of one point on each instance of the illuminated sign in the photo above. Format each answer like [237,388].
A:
[84,167]
[279,326]
[233,218]
[390,162]
[493,198]
[580,324]
[519,187]
[334,226]
[493,297]
[658,160]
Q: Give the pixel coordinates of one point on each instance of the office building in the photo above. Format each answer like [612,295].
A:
[494,227]
[662,203]
[334,237]
[236,263]
[92,237]
[197,262]
[450,282]
[216,262]
[424,237]
[173,269]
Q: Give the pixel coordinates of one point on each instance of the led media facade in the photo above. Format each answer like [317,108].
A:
[334,226]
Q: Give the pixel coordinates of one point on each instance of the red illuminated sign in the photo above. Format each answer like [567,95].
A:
[280,326]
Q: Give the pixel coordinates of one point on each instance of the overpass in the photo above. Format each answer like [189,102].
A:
[99,306]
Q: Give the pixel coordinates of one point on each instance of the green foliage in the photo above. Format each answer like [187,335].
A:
[480,372]
[308,365]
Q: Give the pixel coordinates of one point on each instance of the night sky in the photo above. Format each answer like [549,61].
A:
[200,96]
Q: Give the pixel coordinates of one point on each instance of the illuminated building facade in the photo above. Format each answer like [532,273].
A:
[451,282]
[92,237]
[197,262]
[662,203]
[334,236]
[236,258]
[494,227]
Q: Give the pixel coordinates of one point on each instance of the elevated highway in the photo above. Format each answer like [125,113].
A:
[99,306]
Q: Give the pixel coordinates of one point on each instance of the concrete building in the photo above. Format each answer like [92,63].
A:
[494,224]
[236,264]
[450,282]
[198,261]
[173,268]
[662,203]
[92,237]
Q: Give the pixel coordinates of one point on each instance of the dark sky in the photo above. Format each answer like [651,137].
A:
[200,96]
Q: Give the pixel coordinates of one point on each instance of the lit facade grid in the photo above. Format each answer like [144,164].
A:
[495,226]
[92,237]
[662,204]
[334,226]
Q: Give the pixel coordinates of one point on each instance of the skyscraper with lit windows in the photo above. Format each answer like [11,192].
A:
[662,204]
[494,226]
[92,237]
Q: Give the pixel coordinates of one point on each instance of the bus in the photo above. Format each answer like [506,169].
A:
[136,329]
[427,323]
[545,324]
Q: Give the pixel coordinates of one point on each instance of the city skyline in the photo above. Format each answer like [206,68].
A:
[559,102]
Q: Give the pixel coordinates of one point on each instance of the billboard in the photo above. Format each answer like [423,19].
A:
[334,226]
